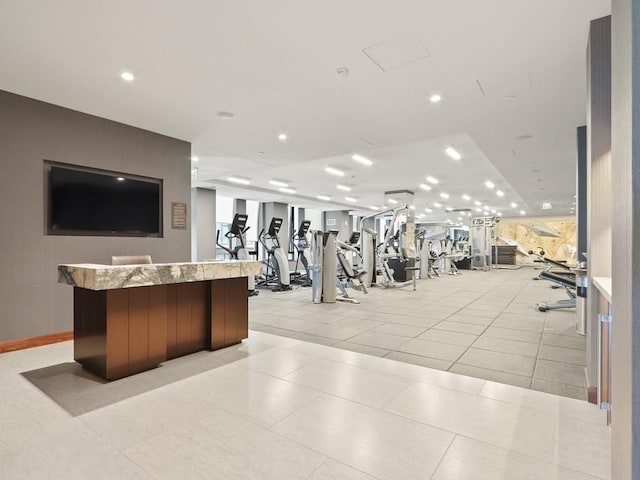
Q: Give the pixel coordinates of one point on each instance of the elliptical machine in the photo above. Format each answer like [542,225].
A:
[301,244]
[276,274]
[238,250]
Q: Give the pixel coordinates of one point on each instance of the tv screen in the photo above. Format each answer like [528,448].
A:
[93,202]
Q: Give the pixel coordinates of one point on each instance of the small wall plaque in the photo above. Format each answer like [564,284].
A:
[179,215]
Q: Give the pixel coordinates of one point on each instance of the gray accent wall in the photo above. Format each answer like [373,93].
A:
[581,191]
[625,325]
[32,301]
[239,206]
[338,220]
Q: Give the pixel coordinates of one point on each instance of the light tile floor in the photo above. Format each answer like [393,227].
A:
[481,324]
[280,408]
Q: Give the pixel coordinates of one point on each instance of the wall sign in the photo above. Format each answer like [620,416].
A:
[179,215]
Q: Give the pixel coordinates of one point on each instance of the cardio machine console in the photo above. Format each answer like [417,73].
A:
[238,225]
[303,229]
[274,226]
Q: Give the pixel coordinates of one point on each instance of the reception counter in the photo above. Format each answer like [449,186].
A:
[130,318]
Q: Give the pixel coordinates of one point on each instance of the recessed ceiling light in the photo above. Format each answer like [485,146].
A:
[522,212]
[278,183]
[500,193]
[477,203]
[282,136]
[120,179]
[194,159]
[428,210]
[478,210]
[412,207]
[334,171]
[240,180]
[514,205]
[372,207]
[392,201]
[499,214]
[127,76]
[424,186]
[344,188]
[493,210]
[444,195]
[323,197]
[466,197]
[286,190]
[228,115]
[449,209]
[362,160]
[437,205]
[485,213]
[433,180]
[489,184]
[350,199]
[453,153]
[435,98]
[420,215]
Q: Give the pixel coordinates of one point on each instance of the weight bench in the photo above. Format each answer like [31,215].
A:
[566,280]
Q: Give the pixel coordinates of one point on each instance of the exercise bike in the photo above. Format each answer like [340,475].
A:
[238,249]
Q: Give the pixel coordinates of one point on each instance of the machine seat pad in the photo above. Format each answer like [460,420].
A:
[563,280]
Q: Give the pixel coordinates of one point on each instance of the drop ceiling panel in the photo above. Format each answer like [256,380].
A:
[397,52]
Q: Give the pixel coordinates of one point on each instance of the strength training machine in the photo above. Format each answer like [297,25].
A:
[325,257]
[377,256]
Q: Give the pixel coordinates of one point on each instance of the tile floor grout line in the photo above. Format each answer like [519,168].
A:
[435,470]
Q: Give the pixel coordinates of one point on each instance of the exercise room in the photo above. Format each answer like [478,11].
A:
[357,241]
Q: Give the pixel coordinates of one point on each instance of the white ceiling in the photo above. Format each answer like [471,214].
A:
[512,75]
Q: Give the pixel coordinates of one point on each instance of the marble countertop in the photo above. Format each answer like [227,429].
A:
[107,277]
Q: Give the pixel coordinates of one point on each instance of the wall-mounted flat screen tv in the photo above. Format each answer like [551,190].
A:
[83,201]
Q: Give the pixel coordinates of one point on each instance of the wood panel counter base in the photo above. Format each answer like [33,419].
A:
[124,331]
